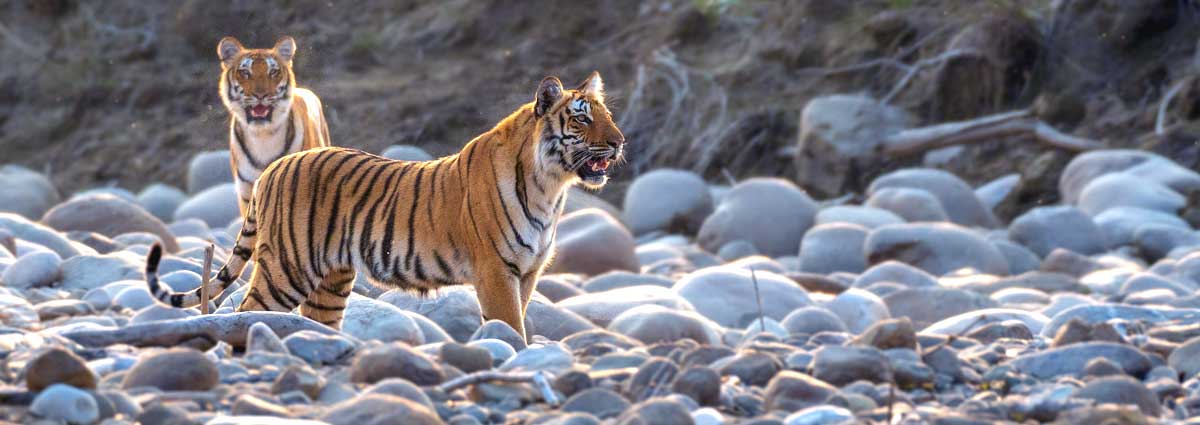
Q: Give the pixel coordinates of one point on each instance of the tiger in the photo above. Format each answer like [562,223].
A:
[486,216]
[269,116]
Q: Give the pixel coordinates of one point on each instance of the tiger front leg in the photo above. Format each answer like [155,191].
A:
[499,294]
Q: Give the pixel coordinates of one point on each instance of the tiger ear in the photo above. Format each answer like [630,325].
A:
[286,48]
[593,85]
[548,93]
[228,48]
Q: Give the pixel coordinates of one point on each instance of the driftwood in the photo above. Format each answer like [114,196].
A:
[230,328]
[1014,123]
[204,295]
[539,380]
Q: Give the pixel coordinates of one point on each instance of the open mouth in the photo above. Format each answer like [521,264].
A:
[594,169]
[259,112]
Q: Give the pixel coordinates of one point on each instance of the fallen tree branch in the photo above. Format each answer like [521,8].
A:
[916,68]
[1014,123]
[230,328]
[538,379]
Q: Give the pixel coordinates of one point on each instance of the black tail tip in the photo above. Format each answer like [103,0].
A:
[153,257]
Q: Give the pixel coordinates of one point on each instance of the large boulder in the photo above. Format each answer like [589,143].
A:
[26,192]
[1121,224]
[938,248]
[1043,229]
[772,214]
[208,169]
[727,295]
[836,247]
[956,197]
[217,206]
[109,216]
[1089,165]
[674,201]
[592,242]
[838,135]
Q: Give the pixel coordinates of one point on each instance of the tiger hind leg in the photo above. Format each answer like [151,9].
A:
[271,290]
[327,303]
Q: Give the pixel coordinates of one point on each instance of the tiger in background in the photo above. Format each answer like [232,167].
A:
[270,116]
[486,216]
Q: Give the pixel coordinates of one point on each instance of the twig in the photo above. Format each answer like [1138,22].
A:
[920,65]
[537,378]
[204,295]
[1160,123]
[1019,122]
[762,323]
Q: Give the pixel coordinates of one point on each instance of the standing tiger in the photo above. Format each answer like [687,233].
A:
[270,116]
[485,216]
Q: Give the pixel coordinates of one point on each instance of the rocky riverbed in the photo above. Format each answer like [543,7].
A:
[689,303]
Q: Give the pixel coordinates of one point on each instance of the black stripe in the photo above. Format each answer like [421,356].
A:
[419,269]
[243,179]
[289,136]
[365,235]
[321,183]
[319,306]
[257,297]
[296,276]
[504,207]
[343,247]
[412,215]
[241,141]
[337,202]
[442,265]
[523,197]
[389,231]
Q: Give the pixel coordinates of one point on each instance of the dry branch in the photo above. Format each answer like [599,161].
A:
[990,127]
[1160,123]
[231,328]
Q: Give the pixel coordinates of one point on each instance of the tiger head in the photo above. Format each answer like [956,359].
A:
[256,84]
[578,133]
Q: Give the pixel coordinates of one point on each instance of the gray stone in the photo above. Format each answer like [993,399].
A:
[1120,224]
[176,369]
[552,357]
[839,365]
[161,200]
[938,248]
[1148,281]
[395,360]
[431,332]
[751,367]
[818,415]
[18,313]
[1044,229]
[667,200]
[895,271]
[23,229]
[623,279]
[868,217]
[217,206]
[955,196]
[1121,390]
[66,403]
[58,366]
[791,391]
[406,153]
[602,307]
[380,409]
[132,239]
[598,402]
[109,216]
[190,227]
[913,205]
[551,321]
[930,305]
[157,312]
[592,242]
[772,214]
[368,319]
[1020,259]
[260,338]
[727,294]
[208,169]
[736,250]
[1093,314]
[700,383]
[466,358]
[134,298]
[652,323]
[1186,358]
[499,350]
[858,309]
[1072,359]
[317,348]
[663,411]
[1155,241]
[812,320]
[455,309]
[26,192]
[495,329]
[1126,190]
[401,388]
[838,131]
[33,269]
[837,247]
[965,322]
[1086,167]
[556,288]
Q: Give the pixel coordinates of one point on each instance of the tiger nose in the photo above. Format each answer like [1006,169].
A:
[616,141]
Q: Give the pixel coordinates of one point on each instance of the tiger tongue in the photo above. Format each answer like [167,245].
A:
[598,164]
[260,111]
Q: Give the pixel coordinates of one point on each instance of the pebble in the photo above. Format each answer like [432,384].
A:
[58,366]
[176,369]
[66,403]
[912,205]
[700,383]
[599,402]
[368,319]
[495,329]
[652,323]
[455,309]
[592,242]
[379,409]
[216,206]
[865,216]
[1044,229]
[829,248]
[406,153]
[667,200]
[26,192]
[602,307]
[727,295]
[33,269]
[466,358]
[938,248]
[772,214]
[958,199]
[395,360]
[858,309]
[843,365]
[818,415]
[621,279]
[812,320]
[791,391]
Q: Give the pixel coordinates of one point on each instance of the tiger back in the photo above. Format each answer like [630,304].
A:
[486,216]
[269,116]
